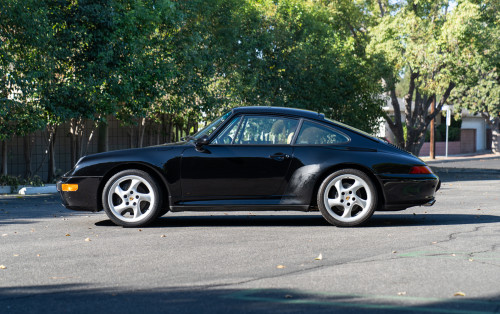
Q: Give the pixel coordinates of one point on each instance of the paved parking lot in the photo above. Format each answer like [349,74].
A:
[444,258]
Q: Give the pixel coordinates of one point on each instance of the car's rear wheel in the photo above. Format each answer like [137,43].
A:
[131,198]
[347,198]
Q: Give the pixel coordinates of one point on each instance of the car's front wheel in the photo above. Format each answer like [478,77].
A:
[347,198]
[131,198]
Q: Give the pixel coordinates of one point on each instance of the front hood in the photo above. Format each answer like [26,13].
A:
[134,151]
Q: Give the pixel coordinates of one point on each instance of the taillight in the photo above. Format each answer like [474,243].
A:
[420,170]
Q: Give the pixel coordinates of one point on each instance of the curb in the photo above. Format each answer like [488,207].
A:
[465,170]
[29,190]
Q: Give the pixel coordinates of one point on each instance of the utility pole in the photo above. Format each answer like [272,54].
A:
[433,141]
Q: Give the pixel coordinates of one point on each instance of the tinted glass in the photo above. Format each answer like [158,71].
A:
[212,127]
[229,132]
[266,130]
[315,134]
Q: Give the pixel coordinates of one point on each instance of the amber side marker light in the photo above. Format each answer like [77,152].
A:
[69,187]
[420,170]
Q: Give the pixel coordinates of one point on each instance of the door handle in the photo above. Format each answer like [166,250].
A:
[279,156]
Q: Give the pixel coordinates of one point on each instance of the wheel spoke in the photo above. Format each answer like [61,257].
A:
[144,197]
[339,187]
[120,208]
[347,212]
[134,184]
[137,211]
[334,202]
[119,191]
[361,202]
[356,186]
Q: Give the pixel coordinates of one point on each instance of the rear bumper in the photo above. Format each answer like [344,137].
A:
[402,192]
[85,198]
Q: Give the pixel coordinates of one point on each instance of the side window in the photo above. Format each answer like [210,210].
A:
[266,130]
[227,135]
[316,134]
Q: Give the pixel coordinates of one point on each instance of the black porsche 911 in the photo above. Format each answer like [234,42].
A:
[254,158]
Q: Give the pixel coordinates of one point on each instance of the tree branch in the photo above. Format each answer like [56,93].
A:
[442,101]
[381,6]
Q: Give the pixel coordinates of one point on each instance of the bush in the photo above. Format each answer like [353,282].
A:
[17,181]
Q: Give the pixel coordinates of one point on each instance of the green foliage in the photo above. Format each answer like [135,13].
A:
[437,45]
[15,182]
[21,66]
[299,56]
[478,90]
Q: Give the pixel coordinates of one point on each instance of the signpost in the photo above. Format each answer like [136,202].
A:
[448,123]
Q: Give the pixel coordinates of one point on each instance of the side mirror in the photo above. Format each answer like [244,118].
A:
[202,141]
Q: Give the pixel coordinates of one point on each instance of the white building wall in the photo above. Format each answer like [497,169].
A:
[478,123]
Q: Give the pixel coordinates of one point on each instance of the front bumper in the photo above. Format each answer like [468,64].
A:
[86,198]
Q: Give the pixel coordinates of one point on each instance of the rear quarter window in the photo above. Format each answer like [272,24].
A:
[315,134]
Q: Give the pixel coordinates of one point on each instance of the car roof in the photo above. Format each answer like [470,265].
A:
[281,110]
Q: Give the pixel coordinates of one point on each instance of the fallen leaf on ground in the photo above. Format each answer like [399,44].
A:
[319,258]
[280,266]
[3,267]
[68,235]
[459,294]
[87,240]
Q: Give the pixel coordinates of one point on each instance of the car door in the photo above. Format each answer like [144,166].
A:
[248,159]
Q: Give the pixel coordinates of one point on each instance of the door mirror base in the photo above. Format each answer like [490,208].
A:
[200,142]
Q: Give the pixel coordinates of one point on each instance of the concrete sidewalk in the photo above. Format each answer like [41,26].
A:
[484,166]
[486,162]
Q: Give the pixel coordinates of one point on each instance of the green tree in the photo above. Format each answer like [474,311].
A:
[478,90]
[22,35]
[303,54]
[408,36]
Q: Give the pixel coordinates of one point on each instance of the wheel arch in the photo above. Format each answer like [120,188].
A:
[139,166]
[328,171]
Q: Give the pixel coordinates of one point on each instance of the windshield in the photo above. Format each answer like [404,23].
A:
[211,127]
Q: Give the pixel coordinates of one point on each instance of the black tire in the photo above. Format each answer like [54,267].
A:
[131,198]
[354,204]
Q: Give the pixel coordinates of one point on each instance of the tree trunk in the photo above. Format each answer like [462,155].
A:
[103,137]
[4,158]
[141,130]
[495,131]
[72,149]
[419,120]
[131,136]
[170,129]
[27,140]
[52,156]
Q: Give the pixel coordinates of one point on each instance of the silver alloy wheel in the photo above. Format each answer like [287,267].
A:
[348,198]
[131,199]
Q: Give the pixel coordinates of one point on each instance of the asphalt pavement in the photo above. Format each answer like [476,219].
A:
[439,259]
